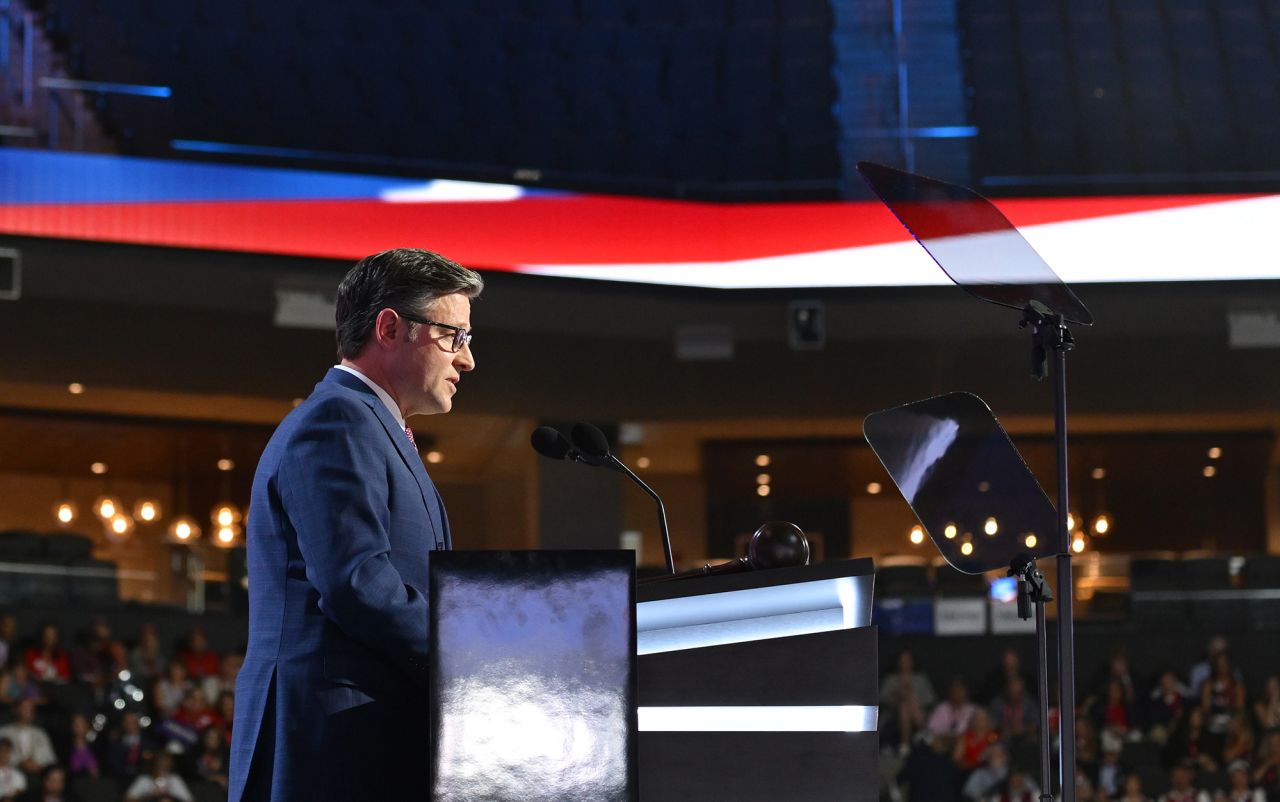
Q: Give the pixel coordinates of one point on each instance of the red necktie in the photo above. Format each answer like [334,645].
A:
[409,432]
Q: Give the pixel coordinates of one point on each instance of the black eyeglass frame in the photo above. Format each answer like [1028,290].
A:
[461,336]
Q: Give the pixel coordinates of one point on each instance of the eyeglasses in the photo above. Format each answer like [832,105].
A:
[461,337]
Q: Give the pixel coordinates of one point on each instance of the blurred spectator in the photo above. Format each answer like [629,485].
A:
[12,780]
[171,690]
[1088,744]
[1266,775]
[1202,670]
[226,710]
[1222,694]
[159,783]
[52,787]
[1182,786]
[997,681]
[32,749]
[951,716]
[47,660]
[905,695]
[1019,788]
[8,639]
[1191,741]
[928,774]
[147,660]
[225,679]
[16,684]
[82,760]
[1115,711]
[1239,742]
[986,779]
[1117,668]
[1167,706]
[1266,710]
[1015,710]
[1133,789]
[1238,788]
[973,742]
[196,657]
[1110,776]
[126,748]
[193,717]
[211,762]
[97,658]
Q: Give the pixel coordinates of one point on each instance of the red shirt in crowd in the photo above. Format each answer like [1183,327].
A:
[48,667]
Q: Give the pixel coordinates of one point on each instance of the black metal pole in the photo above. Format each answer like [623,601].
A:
[1042,644]
[1062,342]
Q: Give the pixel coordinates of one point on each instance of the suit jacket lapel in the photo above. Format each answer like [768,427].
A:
[430,496]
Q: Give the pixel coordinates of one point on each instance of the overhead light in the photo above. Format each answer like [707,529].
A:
[119,526]
[1101,525]
[1209,471]
[917,534]
[874,488]
[763,479]
[65,513]
[225,514]
[762,460]
[642,463]
[1098,473]
[1031,540]
[98,468]
[75,388]
[147,510]
[226,464]
[183,529]
[966,548]
[1215,452]
[107,506]
[1077,543]
[984,486]
[1072,518]
[949,531]
[225,536]
[435,457]
[991,526]
[762,490]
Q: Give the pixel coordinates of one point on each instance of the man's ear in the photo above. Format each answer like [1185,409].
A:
[387,327]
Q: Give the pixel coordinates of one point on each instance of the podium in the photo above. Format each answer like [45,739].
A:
[554,678]
[760,685]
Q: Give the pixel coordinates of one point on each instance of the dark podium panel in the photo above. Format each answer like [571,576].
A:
[533,676]
[760,686]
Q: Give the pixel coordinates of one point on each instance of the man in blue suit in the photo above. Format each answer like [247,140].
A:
[330,703]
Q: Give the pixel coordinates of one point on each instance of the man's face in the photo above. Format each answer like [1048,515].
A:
[425,371]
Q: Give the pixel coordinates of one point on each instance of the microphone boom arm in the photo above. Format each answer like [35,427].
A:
[617,464]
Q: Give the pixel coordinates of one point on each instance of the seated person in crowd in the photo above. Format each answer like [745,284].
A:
[986,780]
[997,681]
[225,680]
[1115,710]
[187,722]
[97,658]
[928,774]
[147,660]
[1192,742]
[210,764]
[951,716]
[1133,789]
[32,749]
[1238,787]
[1182,786]
[8,639]
[196,657]
[127,748]
[1222,694]
[1015,711]
[82,760]
[1266,710]
[1019,788]
[904,696]
[1166,706]
[159,783]
[170,691]
[12,779]
[1266,773]
[973,742]
[16,684]
[52,787]
[47,660]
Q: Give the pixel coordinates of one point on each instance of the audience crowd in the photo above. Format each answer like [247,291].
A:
[1194,733]
[96,720]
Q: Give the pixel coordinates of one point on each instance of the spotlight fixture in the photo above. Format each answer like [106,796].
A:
[98,468]
[642,462]
[1210,471]
[1215,452]
[435,457]
[763,479]
[226,464]
[1098,473]
[226,536]
[1077,543]
[75,388]
[966,548]
[225,515]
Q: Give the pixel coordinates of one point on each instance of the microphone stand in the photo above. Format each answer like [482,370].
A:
[618,465]
[1049,333]
[1033,590]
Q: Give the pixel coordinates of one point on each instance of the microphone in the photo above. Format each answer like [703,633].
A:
[776,544]
[553,445]
[595,446]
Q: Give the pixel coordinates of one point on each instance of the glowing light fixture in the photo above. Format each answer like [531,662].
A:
[147,510]
[98,468]
[119,527]
[1072,519]
[917,534]
[226,536]
[762,460]
[107,506]
[435,457]
[75,388]
[642,463]
[991,526]
[1215,452]
[1210,471]
[762,491]
[1101,524]
[874,488]
[763,479]
[1031,540]
[1098,473]
[949,531]
[226,464]
[966,549]
[225,515]
[183,529]
[1077,544]
[65,513]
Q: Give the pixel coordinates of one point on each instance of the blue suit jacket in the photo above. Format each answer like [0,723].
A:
[331,701]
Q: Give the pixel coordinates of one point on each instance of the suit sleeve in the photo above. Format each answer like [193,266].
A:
[333,482]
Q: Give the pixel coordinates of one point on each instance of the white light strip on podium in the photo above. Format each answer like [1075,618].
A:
[810,718]
[737,616]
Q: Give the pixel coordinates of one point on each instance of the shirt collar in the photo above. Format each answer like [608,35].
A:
[382,394]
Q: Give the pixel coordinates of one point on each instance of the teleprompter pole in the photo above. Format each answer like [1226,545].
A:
[1060,344]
